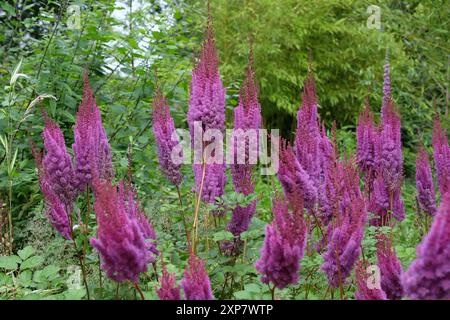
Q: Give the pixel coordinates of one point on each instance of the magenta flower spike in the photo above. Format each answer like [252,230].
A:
[207,105]
[386,86]
[424,183]
[367,139]
[166,139]
[92,152]
[347,229]
[294,179]
[125,239]
[364,292]
[169,289]
[57,163]
[284,245]
[390,268]
[428,276]
[308,136]
[441,154]
[195,283]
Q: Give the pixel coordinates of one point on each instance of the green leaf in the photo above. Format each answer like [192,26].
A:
[32,262]
[9,262]
[26,252]
[74,294]
[222,235]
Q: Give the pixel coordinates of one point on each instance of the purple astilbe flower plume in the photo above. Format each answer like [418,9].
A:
[344,246]
[308,137]
[294,179]
[363,291]
[125,238]
[207,105]
[390,268]
[55,210]
[57,163]
[169,289]
[428,277]
[386,86]
[92,152]
[441,154]
[195,283]
[284,245]
[164,128]
[366,137]
[424,183]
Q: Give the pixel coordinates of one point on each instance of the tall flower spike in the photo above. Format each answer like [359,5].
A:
[169,289]
[424,183]
[308,137]
[441,154]
[428,277]
[166,140]
[284,245]
[91,148]
[294,179]
[344,246]
[366,136]
[363,291]
[57,163]
[386,86]
[207,105]
[195,283]
[125,239]
[390,267]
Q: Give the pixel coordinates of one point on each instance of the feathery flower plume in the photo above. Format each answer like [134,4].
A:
[284,245]
[294,179]
[247,116]
[424,183]
[92,152]
[386,86]
[163,129]
[441,154]
[308,136]
[428,277]
[390,268]
[207,105]
[57,163]
[363,292]
[366,137]
[169,289]
[344,246]
[125,238]
[195,283]
[55,210]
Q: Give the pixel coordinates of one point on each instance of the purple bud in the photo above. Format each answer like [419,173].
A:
[424,183]
[195,283]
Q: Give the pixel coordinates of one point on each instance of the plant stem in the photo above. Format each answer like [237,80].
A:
[272,291]
[136,286]
[183,216]
[197,207]
[83,270]
[341,291]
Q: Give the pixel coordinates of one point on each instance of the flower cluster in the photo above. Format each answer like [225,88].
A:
[166,139]
[424,183]
[390,267]
[125,238]
[441,154]
[428,275]
[195,283]
[207,105]
[284,245]
[364,292]
[169,290]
